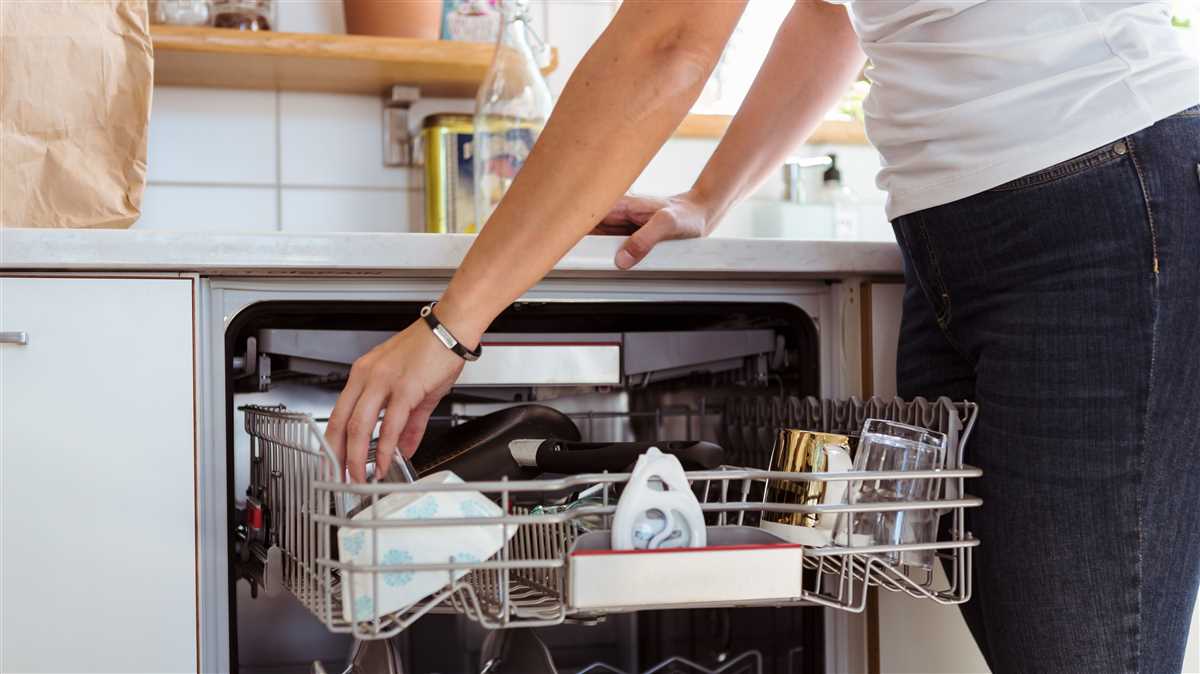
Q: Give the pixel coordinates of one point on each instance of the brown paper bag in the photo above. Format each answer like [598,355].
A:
[75,83]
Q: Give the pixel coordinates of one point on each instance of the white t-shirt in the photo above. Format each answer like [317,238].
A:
[969,94]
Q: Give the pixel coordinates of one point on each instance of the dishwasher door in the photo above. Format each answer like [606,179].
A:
[240,633]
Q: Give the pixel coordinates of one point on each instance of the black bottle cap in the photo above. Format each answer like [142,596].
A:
[832,174]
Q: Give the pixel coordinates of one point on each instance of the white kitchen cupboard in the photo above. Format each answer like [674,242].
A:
[97,475]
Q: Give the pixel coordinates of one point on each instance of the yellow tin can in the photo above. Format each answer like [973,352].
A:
[449,173]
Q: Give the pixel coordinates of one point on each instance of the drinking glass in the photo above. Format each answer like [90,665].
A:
[891,446]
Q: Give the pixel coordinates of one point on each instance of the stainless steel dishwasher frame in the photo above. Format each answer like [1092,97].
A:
[833,308]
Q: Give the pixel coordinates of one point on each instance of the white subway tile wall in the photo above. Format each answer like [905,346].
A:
[208,147]
[678,163]
[209,208]
[292,161]
[350,210]
[333,140]
[212,136]
[675,167]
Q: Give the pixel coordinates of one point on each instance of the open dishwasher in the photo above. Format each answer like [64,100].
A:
[729,373]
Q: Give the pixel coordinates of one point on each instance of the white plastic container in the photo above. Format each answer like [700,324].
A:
[657,507]
[740,564]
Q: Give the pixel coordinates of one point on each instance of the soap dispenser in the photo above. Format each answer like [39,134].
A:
[842,200]
[657,509]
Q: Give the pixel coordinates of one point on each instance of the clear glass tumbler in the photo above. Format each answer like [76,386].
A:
[890,446]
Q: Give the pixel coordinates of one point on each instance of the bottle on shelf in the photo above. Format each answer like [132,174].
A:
[511,108]
[842,200]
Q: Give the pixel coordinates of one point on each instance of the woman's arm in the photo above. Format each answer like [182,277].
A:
[623,101]
[814,56]
[625,98]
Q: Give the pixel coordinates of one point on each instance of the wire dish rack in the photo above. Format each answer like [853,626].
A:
[526,584]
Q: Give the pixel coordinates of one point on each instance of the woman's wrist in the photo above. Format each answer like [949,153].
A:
[712,204]
[461,319]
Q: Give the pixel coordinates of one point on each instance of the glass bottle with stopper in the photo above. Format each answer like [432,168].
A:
[511,108]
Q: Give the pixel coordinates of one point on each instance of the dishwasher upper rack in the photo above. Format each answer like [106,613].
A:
[525,584]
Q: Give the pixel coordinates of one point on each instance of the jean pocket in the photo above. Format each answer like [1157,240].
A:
[1193,111]
[1096,158]
[924,264]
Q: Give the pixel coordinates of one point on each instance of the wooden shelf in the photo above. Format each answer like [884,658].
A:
[358,64]
[355,64]
[831,131]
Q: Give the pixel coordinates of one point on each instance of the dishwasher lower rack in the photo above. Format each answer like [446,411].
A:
[526,584]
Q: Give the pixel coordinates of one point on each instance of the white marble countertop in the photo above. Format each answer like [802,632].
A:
[408,254]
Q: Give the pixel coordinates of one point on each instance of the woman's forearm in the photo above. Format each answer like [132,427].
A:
[814,56]
[624,100]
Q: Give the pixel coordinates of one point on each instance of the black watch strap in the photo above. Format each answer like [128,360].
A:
[443,335]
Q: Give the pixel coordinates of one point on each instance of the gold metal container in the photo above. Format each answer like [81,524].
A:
[798,451]
[449,173]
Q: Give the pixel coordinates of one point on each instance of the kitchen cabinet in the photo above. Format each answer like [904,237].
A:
[97,475]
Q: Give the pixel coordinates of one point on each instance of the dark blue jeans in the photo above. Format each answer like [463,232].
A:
[1067,304]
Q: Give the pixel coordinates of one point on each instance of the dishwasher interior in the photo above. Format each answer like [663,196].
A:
[623,371]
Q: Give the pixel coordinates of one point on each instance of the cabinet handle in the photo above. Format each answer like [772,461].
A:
[20,338]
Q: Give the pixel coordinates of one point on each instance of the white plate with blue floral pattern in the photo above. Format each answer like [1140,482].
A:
[367,595]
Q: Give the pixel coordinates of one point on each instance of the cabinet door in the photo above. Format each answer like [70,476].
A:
[97,476]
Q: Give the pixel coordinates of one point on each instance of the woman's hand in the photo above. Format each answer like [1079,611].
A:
[651,220]
[406,376]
